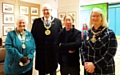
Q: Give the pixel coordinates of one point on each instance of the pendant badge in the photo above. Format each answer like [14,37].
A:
[23,46]
[93,39]
[47,32]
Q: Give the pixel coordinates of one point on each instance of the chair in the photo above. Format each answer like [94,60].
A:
[2,54]
[0,41]
[2,58]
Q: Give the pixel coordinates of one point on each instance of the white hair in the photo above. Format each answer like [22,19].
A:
[22,17]
[46,5]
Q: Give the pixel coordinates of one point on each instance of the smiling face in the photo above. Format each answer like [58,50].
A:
[68,22]
[96,18]
[21,25]
[46,12]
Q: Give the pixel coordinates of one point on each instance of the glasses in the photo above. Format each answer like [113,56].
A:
[96,16]
[46,9]
[21,22]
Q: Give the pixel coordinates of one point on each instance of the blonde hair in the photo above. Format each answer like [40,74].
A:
[104,20]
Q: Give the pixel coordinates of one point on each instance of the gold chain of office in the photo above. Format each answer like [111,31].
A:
[47,32]
[93,39]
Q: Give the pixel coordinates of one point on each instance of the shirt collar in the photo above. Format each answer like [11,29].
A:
[47,19]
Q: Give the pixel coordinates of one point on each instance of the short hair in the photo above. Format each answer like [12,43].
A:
[46,5]
[104,20]
[21,17]
[70,17]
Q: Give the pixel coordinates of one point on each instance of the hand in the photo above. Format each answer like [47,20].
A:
[89,67]
[71,51]
[59,44]
[24,59]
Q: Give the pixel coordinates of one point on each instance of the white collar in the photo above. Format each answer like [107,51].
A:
[47,19]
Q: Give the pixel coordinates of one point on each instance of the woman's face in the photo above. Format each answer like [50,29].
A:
[96,18]
[68,22]
[21,25]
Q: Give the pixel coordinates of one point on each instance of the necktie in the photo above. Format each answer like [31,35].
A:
[47,23]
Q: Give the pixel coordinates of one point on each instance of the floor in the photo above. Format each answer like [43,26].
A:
[117,64]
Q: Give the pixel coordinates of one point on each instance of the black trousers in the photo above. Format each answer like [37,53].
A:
[26,73]
[43,73]
[66,70]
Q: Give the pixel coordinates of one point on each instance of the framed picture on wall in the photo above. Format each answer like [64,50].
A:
[6,29]
[7,8]
[24,10]
[73,14]
[34,11]
[61,16]
[8,18]
[33,18]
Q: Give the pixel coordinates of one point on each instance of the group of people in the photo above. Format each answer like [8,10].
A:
[54,44]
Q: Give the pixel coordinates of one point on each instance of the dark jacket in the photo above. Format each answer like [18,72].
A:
[102,52]
[45,53]
[70,42]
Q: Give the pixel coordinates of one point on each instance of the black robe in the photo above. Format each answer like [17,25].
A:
[46,59]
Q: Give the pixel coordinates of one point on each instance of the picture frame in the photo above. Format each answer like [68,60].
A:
[8,18]
[33,18]
[73,14]
[24,10]
[61,16]
[6,29]
[34,11]
[7,8]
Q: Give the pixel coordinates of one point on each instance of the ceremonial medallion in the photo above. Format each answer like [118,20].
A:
[47,32]
[93,39]
[23,46]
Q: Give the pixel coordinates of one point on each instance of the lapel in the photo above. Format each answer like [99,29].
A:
[53,22]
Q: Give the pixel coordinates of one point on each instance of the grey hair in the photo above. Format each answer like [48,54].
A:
[104,20]
[46,5]
[22,17]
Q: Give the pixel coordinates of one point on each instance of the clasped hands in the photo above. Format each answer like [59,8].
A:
[25,60]
[89,67]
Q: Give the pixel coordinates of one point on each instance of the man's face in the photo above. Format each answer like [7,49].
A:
[46,12]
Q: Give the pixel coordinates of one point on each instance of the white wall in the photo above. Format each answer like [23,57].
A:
[53,3]
[87,2]
[68,6]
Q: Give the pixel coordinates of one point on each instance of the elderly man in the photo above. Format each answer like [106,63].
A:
[45,31]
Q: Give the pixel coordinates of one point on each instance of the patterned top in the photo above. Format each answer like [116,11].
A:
[102,52]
